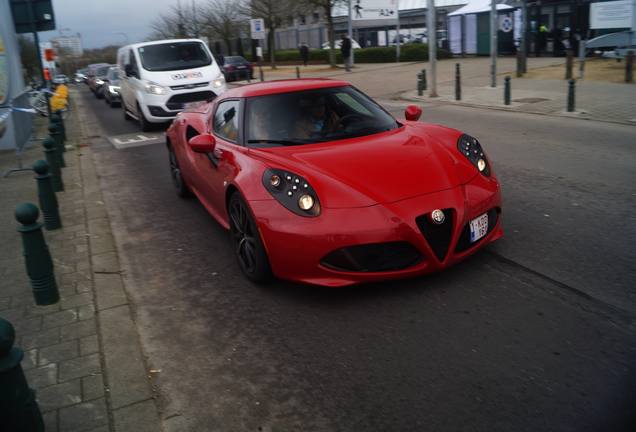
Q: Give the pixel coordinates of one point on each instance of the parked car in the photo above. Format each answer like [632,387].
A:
[159,78]
[80,75]
[111,87]
[92,70]
[61,79]
[338,44]
[236,67]
[96,84]
[317,183]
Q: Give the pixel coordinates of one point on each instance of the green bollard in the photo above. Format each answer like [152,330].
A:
[46,195]
[57,119]
[420,92]
[423,79]
[54,132]
[571,97]
[18,409]
[458,83]
[37,257]
[507,90]
[52,158]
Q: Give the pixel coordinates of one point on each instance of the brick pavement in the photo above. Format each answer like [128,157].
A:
[82,355]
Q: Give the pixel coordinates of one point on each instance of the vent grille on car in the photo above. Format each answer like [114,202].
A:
[438,236]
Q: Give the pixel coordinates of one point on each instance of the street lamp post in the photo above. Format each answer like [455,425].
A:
[493,43]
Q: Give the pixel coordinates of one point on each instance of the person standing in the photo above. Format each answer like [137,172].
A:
[304,53]
[345,48]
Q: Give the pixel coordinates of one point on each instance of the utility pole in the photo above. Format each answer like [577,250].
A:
[350,31]
[432,45]
[493,43]
[399,38]
[523,46]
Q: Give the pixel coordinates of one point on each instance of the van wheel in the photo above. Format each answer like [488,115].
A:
[144,124]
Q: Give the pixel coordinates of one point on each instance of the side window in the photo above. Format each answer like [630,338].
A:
[132,61]
[226,120]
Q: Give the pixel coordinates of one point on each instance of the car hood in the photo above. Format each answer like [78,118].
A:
[381,168]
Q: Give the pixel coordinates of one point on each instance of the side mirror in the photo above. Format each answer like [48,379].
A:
[129,70]
[412,113]
[203,143]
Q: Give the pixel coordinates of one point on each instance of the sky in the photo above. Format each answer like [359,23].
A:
[101,22]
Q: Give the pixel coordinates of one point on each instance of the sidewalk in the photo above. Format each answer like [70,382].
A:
[82,355]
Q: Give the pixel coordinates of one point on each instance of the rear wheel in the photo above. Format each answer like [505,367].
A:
[175,171]
[248,246]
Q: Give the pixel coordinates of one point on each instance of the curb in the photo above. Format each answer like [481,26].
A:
[130,397]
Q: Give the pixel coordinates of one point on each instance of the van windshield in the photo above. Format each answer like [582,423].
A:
[174,56]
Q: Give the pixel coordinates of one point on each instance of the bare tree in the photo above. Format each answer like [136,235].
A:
[178,22]
[326,8]
[223,19]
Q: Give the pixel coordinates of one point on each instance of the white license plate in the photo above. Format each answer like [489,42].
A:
[478,227]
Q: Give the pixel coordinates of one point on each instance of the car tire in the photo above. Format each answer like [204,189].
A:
[246,239]
[182,189]
[144,124]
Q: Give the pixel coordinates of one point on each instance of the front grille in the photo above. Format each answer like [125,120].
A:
[464,239]
[176,102]
[190,86]
[157,111]
[437,236]
[375,257]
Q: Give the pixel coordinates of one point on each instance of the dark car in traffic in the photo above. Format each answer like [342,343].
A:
[110,88]
[96,82]
[236,68]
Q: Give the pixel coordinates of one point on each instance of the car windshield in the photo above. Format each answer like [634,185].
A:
[235,60]
[313,116]
[112,74]
[174,56]
[102,72]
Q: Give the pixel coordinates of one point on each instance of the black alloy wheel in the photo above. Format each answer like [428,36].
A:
[248,246]
[175,173]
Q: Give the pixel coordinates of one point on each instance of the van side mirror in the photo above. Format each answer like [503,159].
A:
[203,143]
[129,70]
[412,113]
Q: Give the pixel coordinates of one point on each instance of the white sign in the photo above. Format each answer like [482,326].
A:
[257,28]
[609,15]
[505,23]
[374,9]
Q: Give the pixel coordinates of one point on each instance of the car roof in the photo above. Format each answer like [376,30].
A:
[283,86]
[159,42]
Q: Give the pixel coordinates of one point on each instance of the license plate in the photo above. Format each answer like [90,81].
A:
[241,67]
[478,227]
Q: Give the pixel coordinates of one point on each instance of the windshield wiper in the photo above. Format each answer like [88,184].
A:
[281,142]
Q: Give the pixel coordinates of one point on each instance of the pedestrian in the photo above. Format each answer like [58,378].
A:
[345,48]
[304,53]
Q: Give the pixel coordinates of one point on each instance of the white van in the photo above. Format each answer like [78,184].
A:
[160,77]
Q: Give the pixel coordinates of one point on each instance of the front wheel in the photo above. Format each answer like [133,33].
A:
[144,124]
[177,180]
[248,246]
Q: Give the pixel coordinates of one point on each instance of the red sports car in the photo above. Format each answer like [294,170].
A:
[317,183]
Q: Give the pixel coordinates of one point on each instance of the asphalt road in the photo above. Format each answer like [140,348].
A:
[535,333]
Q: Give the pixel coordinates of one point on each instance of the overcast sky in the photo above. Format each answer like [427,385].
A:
[98,21]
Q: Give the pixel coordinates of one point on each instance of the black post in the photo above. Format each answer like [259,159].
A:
[629,67]
[46,195]
[424,79]
[54,165]
[260,72]
[420,91]
[569,59]
[571,89]
[297,72]
[507,90]
[54,132]
[519,64]
[458,83]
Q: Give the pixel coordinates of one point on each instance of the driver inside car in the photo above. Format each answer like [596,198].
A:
[316,118]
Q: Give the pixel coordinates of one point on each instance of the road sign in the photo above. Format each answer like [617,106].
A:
[612,14]
[505,23]
[374,9]
[42,15]
[257,28]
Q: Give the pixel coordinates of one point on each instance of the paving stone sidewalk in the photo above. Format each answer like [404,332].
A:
[82,355]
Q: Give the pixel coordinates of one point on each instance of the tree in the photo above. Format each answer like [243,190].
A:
[326,7]
[29,57]
[178,22]
[223,19]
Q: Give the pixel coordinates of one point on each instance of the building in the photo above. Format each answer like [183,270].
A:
[70,45]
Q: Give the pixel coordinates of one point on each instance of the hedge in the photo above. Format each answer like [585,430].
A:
[408,52]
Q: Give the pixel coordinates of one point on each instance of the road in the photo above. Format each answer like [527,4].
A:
[534,333]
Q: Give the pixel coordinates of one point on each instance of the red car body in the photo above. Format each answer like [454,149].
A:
[376,193]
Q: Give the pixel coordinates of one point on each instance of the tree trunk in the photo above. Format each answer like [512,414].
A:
[332,52]
[271,44]
[228,44]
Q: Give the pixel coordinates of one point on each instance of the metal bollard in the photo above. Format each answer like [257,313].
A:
[52,158]
[629,67]
[519,64]
[507,90]
[458,84]
[57,118]
[19,410]
[54,132]
[37,256]
[297,72]
[571,89]
[46,195]
[569,62]
[420,90]
[423,79]
[260,73]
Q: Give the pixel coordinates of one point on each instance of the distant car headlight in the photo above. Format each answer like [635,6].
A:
[218,82]
[113,89]
[99,82]
[471,149]
[292,191]
[156,89]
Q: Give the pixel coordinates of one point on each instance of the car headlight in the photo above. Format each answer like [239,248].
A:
[99,82]
[156,89]
[471,149]
[292,191]
[218,82]
[113,89]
